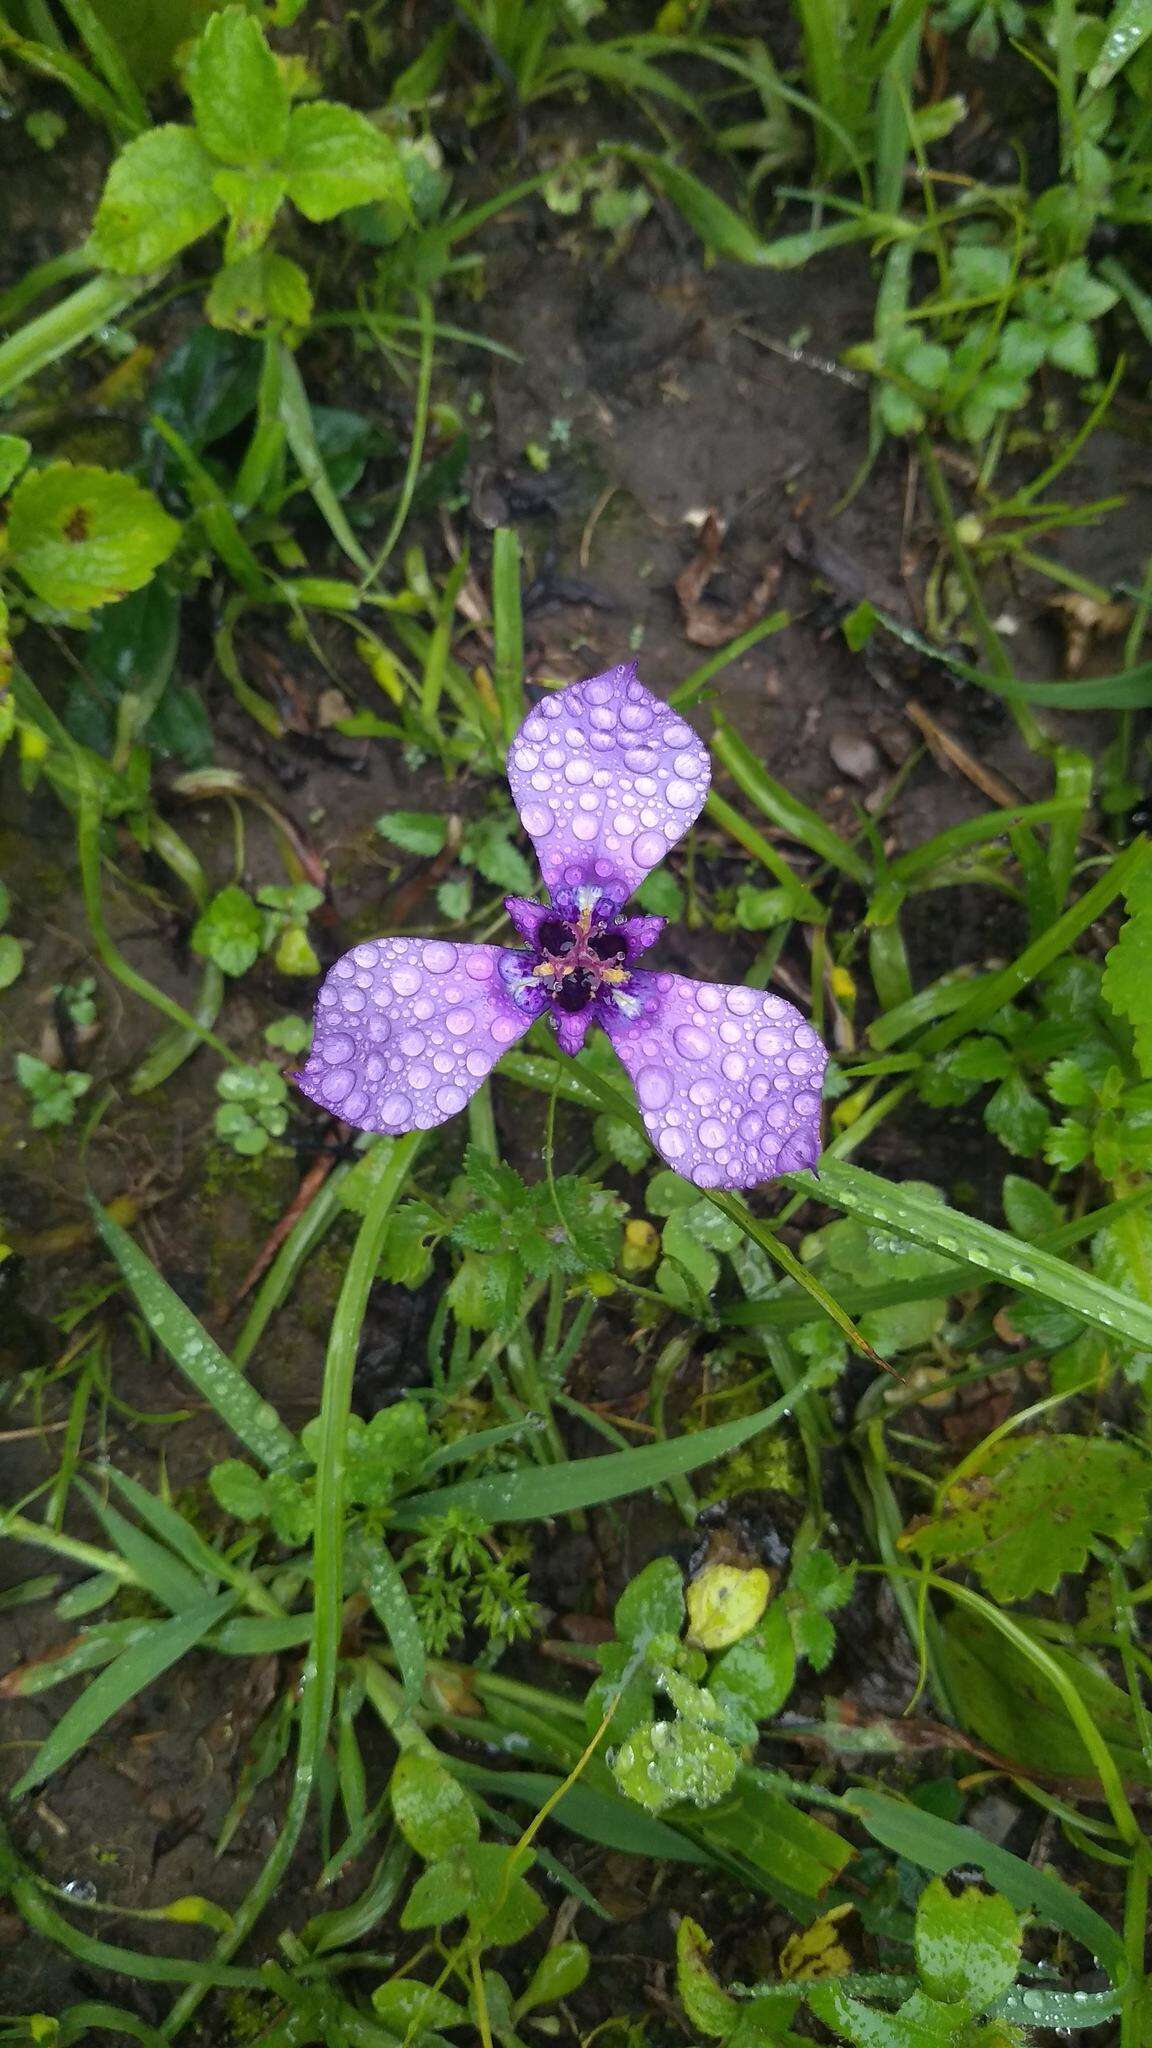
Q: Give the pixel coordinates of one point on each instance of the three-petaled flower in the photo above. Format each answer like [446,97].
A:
[606,778]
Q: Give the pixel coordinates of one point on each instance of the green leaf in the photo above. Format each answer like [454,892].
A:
[441,1893]
[237,91]
[157,199]
[1128,966]
[411,2009]
[139,1666]
[245,296]
[198,1356]
[335,158]
[665,1761]
[79,536]
[422,832]
[1029,1512]
[652,1604]
[253,199]
[432,1811]
[660,894]
[1017,1117]
[1030,1210]
[751,1681]
[1128,29]
[539,1493]
[11,959]
[14,453]
[1073,348]
[561,1970]
[238,1489]
[1007,1702]
[967,1947]
[230,931]
[710,2010]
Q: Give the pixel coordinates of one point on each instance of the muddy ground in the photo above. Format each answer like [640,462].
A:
[673,408]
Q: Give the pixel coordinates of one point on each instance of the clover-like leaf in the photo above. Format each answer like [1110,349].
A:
[335,159]
[157,199]
[80,537]
[229,932]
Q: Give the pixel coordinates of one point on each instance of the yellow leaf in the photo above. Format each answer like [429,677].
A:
[725,1602]
[815,1951]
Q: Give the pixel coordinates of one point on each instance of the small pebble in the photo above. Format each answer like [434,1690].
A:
[853,755]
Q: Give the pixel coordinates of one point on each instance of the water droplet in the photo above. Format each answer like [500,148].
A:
[691,1043]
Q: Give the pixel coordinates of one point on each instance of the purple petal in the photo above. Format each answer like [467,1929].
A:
[527,916]
[639,933]
[407,1029]
[728,1079]
[606,778]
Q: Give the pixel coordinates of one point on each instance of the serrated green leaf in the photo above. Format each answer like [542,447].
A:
[246,295]
[80,537]
[422,832]
[335,158]
[238,94]
[158,199]
[1128,966]
[1029,1512]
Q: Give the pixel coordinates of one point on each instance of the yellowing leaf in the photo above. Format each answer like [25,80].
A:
[725,1602]
[816,1951]
[81,537]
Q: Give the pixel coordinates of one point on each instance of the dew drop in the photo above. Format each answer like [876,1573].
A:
[654,1087]
[689,1042]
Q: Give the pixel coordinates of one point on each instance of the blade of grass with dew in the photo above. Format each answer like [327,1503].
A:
[319,1679]
[979,1245]
[250,1418]
[1129,691]
[180,1536]
[538,1493]
[507,629]
[169,1581]
[120,1682]
[803,904]
[397,1617]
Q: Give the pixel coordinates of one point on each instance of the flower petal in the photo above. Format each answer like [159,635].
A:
[728,1079]
[606,778]
[406,1030]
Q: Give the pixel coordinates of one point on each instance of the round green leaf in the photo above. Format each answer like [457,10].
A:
[158,198]
[432,1811]
[967,1947]
[81,537]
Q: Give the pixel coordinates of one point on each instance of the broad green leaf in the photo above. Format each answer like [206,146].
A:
[198,1356]
[162,1646]
[335,159]
[1030,1510]
[1012,1706]
[11,954]
[652,1604]
[237,91]
[967,1946]
[663,1762]
[561,1970]
[157,199]
[410,2009]
[81,537]
[710,2010]
[752,1679]
[238,1489]
[422,832]
[432,1811]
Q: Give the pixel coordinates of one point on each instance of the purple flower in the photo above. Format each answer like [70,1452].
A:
[606,778]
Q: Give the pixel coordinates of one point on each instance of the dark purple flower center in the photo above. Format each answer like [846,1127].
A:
[573,961]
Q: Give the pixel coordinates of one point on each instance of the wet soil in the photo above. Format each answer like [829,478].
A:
[664,390]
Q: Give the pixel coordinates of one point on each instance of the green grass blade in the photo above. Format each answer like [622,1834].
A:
[397,1617]
[507,629]
[693,687]
[296,414]
[164,1576]
[250,1418]
[120,1682]
[979,1245]
[539,1492]
[784,810]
